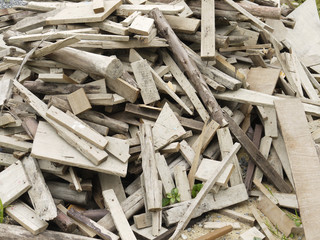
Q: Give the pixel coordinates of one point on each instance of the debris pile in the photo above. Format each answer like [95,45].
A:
[128,119]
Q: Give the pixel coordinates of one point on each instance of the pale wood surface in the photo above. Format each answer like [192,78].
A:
[118,148]
[208,46]
[300,145]
[62,152]
[14,182]
[187,152]
[12,143]
[77,127]
[82,13]
[225,143]
[27,217]
[141,25]
[143,220]
[182,183]
[182,24]
[98,6]
[145,81]
[108,181]
[164,133]
[150,172]
[118,215]
[39,193]
[164,173]
[78,101]
[127,9]
[207,166]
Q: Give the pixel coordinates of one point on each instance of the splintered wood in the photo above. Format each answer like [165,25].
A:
[128,119]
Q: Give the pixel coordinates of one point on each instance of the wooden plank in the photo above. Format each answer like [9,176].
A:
[149,168]
[215,225]
[208,46]
[39,193]
[281,151]
[55,78]
[82,227]
[47,49]
[126,9]
[207,166]
[182,183]
[108,182]
[75,180]
[171,148]
[141,25]
[162,132]
[17,232]
[276,215]
[261,223]
[77,127]
[225,143]
[98,6]
[164,173]
[14,182]
[287,200]
[260,99]
[205,189]
[62,152]
[145,81]
[264,148]
[130,207]
[238,216]
[26,216]
[95,227]
[126,22]
[263,79]
[183,24]
[78,101]
[293,123]
[118,215]
[6,86]
[82,13]
[143,220]
[187,152]
[185,84]
[12,143]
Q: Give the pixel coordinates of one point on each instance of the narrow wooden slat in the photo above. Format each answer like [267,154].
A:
[208,47]
[300,145]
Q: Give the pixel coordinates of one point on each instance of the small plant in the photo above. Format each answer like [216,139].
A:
[196,189]
[1,211]
[275,231]
[171,198]
[294,217]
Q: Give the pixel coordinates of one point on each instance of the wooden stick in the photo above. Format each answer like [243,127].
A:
[98,229]
[189,66]
[196,158]
[204,191]
[217,233]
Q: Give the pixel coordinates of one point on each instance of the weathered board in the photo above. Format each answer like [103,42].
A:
[62,152]
[304,162]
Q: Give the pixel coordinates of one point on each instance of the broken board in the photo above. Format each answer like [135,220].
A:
[83,13]
[61,152]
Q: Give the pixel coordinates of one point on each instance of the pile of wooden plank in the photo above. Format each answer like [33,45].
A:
[111,108]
